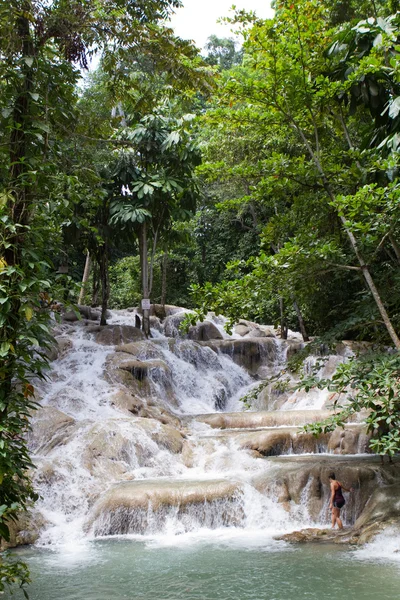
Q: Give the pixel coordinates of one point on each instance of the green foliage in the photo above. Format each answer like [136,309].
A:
[125,287]
[368,383]
[54,198]
[13,574]
[222,52]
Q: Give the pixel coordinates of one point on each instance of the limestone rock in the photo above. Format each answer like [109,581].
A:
[25,530]
[352,440]
[203,332]
[241,330]
[128,403]
[247,352]
[253,420]
[87,312]
[115,335]
[50,428]
[172,324]
[126,507]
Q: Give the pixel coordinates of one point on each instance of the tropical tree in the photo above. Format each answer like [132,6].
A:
[154,184]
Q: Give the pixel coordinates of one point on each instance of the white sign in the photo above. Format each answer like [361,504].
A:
[145,304]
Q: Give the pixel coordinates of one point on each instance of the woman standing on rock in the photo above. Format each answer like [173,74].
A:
[337,500]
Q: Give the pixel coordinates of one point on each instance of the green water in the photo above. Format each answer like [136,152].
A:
[117,569]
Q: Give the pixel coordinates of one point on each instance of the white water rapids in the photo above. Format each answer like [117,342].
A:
[209,487]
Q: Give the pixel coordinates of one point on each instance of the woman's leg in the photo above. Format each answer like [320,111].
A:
[337,518]
[333,517]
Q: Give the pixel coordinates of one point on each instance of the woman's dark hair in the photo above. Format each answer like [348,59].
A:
[331,476]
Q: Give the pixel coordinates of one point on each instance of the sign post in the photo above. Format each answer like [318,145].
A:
[146,316]
[145,304]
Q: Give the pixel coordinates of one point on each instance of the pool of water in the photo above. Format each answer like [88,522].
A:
[219,569]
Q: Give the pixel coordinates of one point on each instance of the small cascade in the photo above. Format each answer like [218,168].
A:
[148,437]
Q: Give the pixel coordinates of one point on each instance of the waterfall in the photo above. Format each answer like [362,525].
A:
[149,438]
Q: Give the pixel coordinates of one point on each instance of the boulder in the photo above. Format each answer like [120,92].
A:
[87,312]
[25,530]
[127,402]
[241,330]
[248,353]
[142,378]
[257,333]
[136,506]
[172,324]
[142,350]
[351,440]
[50,428]
[203,332]
[61,348]
[115,335]
[116,446]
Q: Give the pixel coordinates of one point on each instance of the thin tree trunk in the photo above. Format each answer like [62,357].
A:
[395,246]
[353,242]
[301,321]
[85,278]
[105,285]
[284,330]
[153,254]
[144,265]
[164,278]
[96,285]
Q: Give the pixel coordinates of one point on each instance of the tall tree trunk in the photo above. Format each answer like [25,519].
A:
[364,267]
[284,329]
[96,285]
[164,278]
[85,278]
[152,258]
[301,321]
[144,267]
[395,246]
[105,284]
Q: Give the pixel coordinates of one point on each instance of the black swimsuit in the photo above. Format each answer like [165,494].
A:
[338,500]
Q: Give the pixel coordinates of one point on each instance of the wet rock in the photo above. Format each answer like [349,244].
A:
[60,349]
[142,350]
[352,440]
[282,441]
[249,420]
[293,347]
[87,312]
[165,436]
[164,310]
[115,446]
[128,403]
[155,323]
[257,333]
[248,353]
[314,535]
[127,507]
[241,330]
[115,335]
[383,507]
[142,378]
[172,324]
[203,332]
[25,531]
[50,428]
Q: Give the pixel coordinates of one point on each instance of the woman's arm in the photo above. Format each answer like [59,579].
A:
[346,489]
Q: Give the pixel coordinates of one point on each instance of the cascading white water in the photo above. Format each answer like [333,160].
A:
[85,447]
